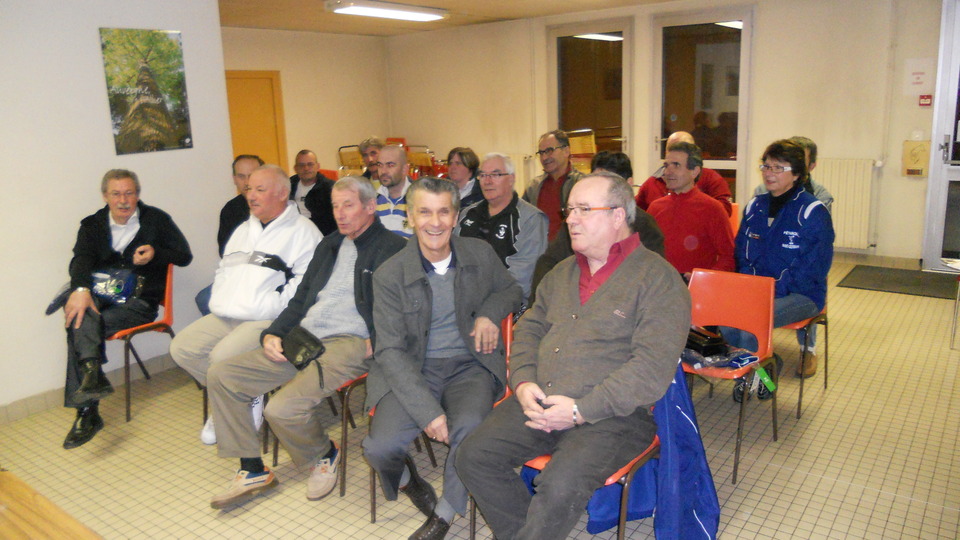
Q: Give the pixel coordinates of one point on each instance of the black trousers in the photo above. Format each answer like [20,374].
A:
[88,341]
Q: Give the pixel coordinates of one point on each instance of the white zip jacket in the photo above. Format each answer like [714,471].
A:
[262,267]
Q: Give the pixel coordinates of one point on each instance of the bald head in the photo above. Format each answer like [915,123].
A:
[679,137]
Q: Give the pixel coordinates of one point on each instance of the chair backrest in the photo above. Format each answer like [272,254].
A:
[738,300]
[350,157]
[167,301]
[735,217]
[506,330]
[331,174]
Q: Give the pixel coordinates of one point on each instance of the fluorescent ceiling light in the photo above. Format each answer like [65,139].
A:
[385,10]
[601,37]
[731,24]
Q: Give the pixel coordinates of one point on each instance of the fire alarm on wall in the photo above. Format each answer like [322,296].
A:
[926,100]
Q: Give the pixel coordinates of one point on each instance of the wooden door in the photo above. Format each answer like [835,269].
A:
[256,115]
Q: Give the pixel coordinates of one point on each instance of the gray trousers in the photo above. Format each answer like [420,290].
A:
[211,339]
[466,393]
[583,458]
[293,412]
[87,341]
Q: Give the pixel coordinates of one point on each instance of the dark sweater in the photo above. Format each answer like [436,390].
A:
[374,246]
[94,250]
[235,212]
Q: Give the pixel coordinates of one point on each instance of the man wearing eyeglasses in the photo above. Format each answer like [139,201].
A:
[311,191]
[589,358]
[696,228]
[550,190]
[515,229]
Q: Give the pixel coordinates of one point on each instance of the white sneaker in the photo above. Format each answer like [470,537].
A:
[207,434]
[323,477]
[256,409]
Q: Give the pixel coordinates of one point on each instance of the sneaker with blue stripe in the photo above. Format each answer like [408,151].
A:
[246,485]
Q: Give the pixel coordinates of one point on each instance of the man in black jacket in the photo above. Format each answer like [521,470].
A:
[311,191]
[334,302]
[125,234]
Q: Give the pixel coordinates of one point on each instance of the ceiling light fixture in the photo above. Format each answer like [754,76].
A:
[601,37]
[731,24]
[385,10]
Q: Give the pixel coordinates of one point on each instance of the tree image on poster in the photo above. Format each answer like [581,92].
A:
[147,90]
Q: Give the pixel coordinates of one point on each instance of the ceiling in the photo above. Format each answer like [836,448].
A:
[310,16]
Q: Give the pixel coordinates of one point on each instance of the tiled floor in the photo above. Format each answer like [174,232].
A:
[875,456]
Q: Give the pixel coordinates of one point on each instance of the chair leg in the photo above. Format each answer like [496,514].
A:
[803,361]
[137,356]
[345,406]
[473,517]
[126,375]
[736,453]
[426,442]
[206,405]
[773,402]
[373,496]
[826,350]
[956,311]
[276,449]
[333,407]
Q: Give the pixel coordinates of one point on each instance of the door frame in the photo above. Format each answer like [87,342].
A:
[944,113]
[658,23]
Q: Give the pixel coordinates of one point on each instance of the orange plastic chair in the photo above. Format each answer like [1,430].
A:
[734,217]
[329,173]
[806,325]
[624,476]
[740,301]
[164,324]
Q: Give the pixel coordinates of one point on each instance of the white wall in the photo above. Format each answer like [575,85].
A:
[55,138]
[333,85]
[829,70]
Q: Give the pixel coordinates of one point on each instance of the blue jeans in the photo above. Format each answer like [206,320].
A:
[786,309]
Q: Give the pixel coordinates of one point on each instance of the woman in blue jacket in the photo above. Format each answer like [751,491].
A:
[786,234]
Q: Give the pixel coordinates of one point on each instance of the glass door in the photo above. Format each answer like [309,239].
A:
[703,86]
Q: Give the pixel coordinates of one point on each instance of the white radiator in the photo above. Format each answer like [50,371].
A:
[850,181]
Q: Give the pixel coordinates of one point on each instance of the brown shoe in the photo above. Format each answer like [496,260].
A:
[809,366]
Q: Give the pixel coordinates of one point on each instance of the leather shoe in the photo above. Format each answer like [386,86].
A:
[434,529]
[86,425]
[420,491]
[94,384]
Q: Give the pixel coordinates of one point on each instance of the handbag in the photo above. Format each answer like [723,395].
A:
[705,342]
[116,286]
[300,347]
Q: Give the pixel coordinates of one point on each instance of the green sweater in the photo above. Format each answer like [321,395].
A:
[617,352]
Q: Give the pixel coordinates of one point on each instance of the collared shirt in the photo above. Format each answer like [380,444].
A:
[122,235]
[550,201]
[618,252]
[430,267]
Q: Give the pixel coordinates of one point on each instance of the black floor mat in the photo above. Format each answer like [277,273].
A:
[896,280]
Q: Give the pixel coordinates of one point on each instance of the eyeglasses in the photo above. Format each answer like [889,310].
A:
[774,168]
[549,150]
[581,211]
[492,175]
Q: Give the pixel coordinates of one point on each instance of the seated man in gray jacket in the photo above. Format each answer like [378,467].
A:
[598,347]
[334,302]
[440,360]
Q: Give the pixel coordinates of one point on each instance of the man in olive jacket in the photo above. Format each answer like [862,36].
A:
[440,360]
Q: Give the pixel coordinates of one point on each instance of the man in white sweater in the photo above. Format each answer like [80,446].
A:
[262,265]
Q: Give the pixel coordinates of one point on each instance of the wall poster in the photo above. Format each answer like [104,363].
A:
[147,89]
